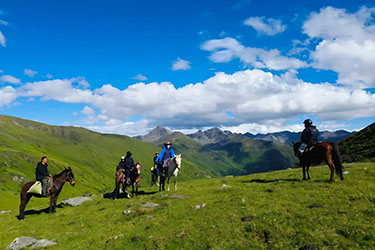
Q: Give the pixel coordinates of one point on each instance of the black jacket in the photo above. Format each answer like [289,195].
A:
[41,171]
[310,135]
[129,164]
[121,164]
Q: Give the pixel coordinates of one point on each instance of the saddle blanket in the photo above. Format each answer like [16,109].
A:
[36,188]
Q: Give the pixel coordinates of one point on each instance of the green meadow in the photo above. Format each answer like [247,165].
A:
[274,210]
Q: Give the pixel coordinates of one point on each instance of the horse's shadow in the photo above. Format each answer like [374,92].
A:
[123,195]
[40,211]
[271,181]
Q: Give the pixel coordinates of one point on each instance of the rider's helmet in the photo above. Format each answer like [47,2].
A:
[168,143]
[308,122]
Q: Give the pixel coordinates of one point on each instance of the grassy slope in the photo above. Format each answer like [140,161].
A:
[93,156]
[284,212]
[359,146]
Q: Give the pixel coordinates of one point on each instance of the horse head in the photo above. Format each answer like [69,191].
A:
[296,146]
[138,168]
[177,160]
[70,176]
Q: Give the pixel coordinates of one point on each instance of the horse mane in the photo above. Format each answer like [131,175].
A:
[66,170]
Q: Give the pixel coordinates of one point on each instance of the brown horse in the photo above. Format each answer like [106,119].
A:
[134,179]
[323,151]
[119,179]
[58,183]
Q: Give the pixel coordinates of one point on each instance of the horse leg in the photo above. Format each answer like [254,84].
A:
[52,205]
[25,198]
[308,172]
[175,183]
[331,167]
[136,189]
[303,171]
[168,183]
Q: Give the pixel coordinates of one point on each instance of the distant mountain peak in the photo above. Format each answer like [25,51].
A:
[155,134]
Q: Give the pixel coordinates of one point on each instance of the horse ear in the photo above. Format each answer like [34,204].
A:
[69,168]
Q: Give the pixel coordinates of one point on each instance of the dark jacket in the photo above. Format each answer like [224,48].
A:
[41,171]
[121,164]
[310,136]
[129,164]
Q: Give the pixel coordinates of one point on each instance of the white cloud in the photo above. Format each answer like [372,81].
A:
[267,26]
[181,64]
[88,111]
[226,49]
[49,76]
[2,39]
[30,72]
[346,44]
[1,71]
[140,77]
[9,79]
[256,100]
[2,22]
[7,95]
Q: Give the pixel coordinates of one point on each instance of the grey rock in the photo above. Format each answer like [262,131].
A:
[127,212]
[224,186]
[5,212]
[76,201]
[149,217]
[150,205]
[202,205]
[177,196]
[43,243]
[21,242]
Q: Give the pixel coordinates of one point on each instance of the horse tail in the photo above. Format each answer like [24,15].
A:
[337,158]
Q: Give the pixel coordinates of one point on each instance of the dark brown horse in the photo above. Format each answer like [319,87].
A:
[119,179]
[135,177]
[58,183]
[323,151]
[133,180]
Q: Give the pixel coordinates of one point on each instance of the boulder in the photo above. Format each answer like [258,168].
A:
[150,205]
[76,201]
[23,242]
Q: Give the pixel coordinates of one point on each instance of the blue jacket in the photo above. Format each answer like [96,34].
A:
[164,154]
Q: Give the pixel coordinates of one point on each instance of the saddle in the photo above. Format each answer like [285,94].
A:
[36,188]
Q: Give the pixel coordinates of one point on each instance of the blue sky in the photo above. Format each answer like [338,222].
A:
[127,66]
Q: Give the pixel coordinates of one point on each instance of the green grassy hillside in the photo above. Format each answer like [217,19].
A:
[274,210]
[93,157]
[359,146]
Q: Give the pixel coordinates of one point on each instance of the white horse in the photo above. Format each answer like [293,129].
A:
[174,166]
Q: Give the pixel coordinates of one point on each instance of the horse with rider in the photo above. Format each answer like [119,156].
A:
[311,152]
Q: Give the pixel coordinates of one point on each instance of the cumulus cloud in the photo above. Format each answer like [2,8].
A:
[267,26]
[251,96]
[226,49]
[181,64]
[2,40]
[140,77]
[30,72]
[88,111]
[7,95]
[251,99]
[346,43]
[9,79]
[49,76]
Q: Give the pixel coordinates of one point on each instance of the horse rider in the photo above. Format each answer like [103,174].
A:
[41,173]
[154,169]
[121,164]
[309,136]
[129,165]
[166,153]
